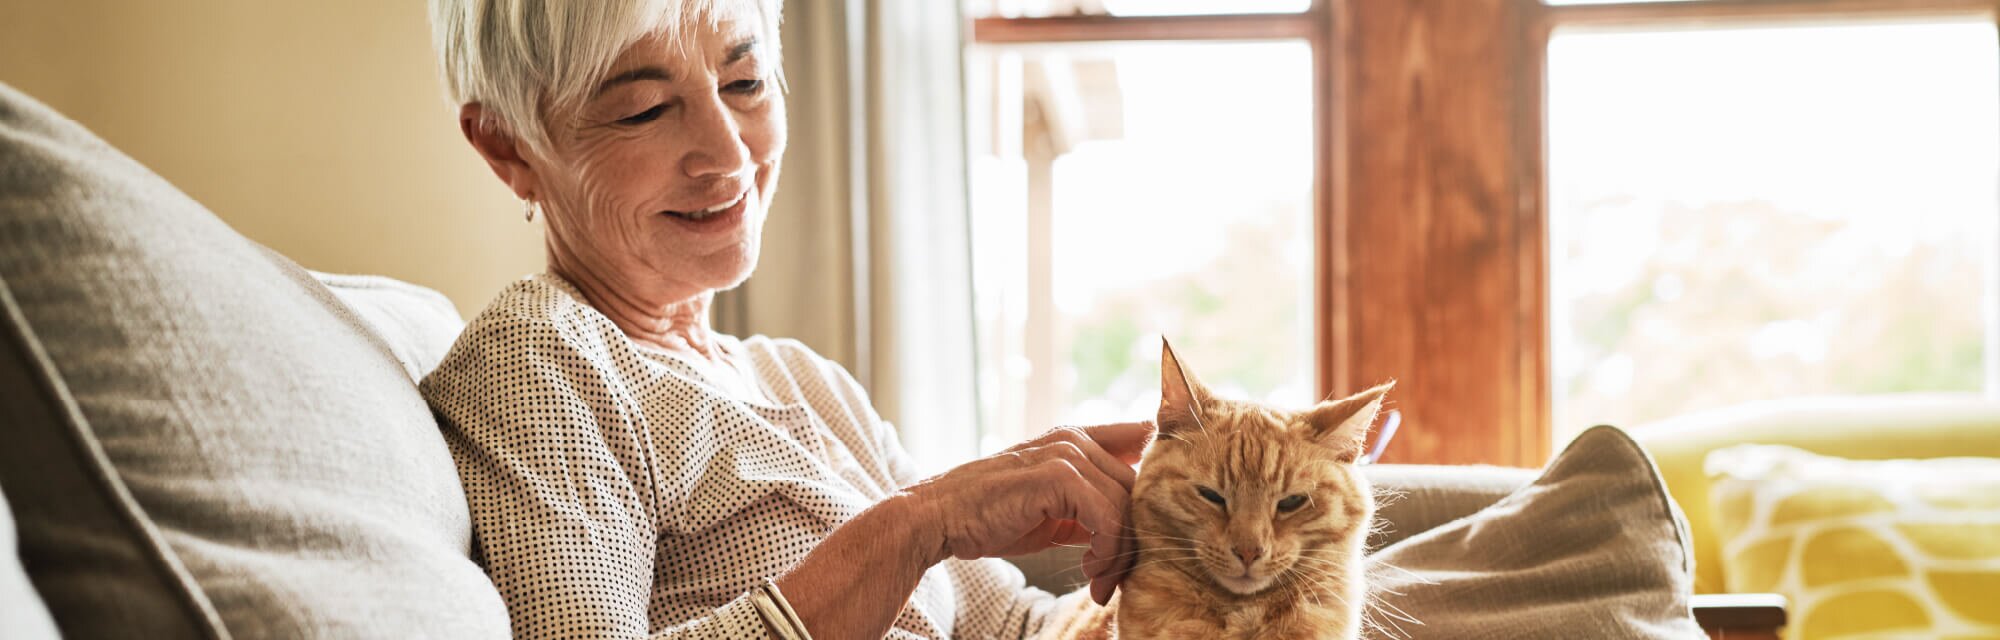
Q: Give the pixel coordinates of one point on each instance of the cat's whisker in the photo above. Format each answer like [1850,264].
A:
[1161,535]
[1325,564]
[1195,552]
[1375,565]
[1311,591]
[1156,534]
[1156,561]
[1392,626]
[1392,615]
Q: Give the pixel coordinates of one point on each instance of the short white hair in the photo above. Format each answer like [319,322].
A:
[521,59]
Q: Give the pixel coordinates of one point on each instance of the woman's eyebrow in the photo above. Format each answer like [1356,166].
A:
[740,50]
[634,75]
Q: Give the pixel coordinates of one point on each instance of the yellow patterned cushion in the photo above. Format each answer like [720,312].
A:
[1863,549]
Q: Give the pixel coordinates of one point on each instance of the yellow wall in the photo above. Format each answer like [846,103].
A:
[317,128]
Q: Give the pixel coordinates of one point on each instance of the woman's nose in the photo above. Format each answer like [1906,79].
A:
[715,142]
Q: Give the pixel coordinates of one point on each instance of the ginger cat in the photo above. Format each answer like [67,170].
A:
[1250,522]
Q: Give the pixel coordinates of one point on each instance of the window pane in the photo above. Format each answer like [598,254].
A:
[1122,192]
[1749,214]
[1045,8]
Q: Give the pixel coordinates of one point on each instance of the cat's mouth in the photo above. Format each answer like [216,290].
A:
[1243,585]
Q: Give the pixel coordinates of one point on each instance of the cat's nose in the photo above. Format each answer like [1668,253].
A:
[1249,554]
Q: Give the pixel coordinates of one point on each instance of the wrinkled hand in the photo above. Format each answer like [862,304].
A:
[1069,486]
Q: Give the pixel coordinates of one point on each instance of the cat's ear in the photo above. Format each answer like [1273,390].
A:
[1181,395]
[1343,424]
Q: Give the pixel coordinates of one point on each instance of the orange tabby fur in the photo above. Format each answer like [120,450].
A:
[1304,575]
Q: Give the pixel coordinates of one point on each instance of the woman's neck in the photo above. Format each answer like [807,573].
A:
[655,316]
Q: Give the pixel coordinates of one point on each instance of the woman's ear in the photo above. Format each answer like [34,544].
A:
[502,151]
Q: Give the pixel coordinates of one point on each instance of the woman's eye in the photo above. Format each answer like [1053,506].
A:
[646,116]
[745,86]
[1291,503]
[1209,495]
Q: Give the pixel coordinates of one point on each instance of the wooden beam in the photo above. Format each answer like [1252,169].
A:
[1728,12]
[1141,28]
[1437,229]
[1529,109]
[1330,304]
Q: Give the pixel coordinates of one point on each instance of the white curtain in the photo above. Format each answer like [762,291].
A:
[866,255]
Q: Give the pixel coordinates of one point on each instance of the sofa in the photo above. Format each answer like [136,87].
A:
[1917,428]
[1881,427]
[205,440]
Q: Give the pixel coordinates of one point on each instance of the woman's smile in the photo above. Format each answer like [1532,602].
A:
[709,211]
[726,216]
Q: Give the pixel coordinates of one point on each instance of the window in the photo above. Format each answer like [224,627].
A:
[1769,211]
[1534,214]
[1125,191]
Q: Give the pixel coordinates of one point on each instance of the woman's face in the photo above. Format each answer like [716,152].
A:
[663,178]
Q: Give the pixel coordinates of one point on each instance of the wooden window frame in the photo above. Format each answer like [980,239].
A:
[1430,213]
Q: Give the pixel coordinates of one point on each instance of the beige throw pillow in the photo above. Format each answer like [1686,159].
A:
[1591,549]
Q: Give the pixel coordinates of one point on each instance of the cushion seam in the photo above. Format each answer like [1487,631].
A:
[1666,500]
[97,466]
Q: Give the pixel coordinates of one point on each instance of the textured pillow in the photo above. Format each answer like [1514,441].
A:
[1896,548]
[215,441]
[417,324]
[1592,548]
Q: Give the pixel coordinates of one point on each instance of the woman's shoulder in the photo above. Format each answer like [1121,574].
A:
[796,365]
[777,348]
[789,355]
[540,301]
[535,318]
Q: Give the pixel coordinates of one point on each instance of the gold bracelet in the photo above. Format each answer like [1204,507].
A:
[778,613]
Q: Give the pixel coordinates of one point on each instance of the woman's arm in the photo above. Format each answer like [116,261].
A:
[560,474]
[1069,486]
[854,583]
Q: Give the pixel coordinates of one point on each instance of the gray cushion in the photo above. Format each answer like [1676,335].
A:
[87,546]
[416,324]
[276,448]
[22,614]
[1591,549]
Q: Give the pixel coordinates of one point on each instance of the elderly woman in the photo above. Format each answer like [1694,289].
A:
[633,472]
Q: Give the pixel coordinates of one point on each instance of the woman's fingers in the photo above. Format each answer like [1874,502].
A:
[1110,463]
[1125,440]
[1111,478]
[1084,502]
[1069,486]
[1101,588]
[1051,532]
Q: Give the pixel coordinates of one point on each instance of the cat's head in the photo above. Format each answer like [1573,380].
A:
[1249,496]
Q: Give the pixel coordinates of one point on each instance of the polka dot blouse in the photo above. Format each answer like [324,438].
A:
[621,491]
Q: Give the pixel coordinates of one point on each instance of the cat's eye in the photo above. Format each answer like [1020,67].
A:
[1291,503]
[1209,495]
